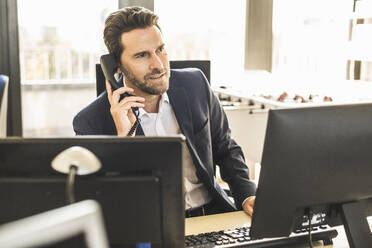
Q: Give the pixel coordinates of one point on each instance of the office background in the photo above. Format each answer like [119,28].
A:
[50,48]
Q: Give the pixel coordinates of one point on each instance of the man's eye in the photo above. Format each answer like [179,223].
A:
[161,49]
[140,55]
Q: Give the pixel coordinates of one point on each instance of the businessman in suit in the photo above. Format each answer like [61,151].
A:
[170,102]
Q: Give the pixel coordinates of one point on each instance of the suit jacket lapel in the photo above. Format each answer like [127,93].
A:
[181,106]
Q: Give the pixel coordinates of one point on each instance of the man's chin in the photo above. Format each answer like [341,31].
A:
[159,90]
[155,92]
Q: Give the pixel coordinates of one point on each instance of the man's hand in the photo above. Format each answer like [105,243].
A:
[249,204]
[121,112]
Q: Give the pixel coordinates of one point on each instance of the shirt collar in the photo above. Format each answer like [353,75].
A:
[164,99]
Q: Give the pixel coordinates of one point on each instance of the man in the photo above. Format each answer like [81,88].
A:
[170,102]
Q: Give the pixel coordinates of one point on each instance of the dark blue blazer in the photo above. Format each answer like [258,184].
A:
[202,121]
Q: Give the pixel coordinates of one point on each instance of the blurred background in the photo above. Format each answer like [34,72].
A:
[264,47]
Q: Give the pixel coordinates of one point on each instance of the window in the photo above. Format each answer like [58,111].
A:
[60,43]
[310,38]
[205,30]
[360,39]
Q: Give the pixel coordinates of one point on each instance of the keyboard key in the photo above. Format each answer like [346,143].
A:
[241,239]
[232,241]
[236,235]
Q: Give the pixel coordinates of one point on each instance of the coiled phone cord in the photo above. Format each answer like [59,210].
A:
[135,125]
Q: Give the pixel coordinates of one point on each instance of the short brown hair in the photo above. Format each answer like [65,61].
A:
[125,20]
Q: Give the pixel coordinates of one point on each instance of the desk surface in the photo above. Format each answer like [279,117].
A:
[218,222]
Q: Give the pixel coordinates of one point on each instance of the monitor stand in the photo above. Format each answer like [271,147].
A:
[357,229]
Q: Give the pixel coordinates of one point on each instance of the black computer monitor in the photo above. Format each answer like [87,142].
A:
[317,159]
[203,65]
[139,185]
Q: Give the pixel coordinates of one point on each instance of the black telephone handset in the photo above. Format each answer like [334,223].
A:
[109,68]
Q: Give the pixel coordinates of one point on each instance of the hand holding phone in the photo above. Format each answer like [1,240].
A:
[125,118]
[124,105]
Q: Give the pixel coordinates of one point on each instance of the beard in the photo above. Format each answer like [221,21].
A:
[157,88]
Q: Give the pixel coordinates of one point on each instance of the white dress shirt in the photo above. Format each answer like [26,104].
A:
[164,123]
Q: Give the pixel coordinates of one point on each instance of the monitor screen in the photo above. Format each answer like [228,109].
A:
[315,159]
[139,185]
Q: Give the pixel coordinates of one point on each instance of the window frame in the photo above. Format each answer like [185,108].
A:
[10,65]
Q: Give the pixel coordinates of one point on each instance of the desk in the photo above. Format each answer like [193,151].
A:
[218,222]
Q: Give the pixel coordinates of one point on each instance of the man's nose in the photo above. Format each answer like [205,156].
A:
[156,63]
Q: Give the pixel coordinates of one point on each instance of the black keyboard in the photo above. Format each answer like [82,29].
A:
[239,237]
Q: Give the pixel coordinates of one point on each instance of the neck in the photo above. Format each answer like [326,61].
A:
[152,103]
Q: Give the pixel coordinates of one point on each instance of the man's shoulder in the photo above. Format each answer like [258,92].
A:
[97,106]
[93,116]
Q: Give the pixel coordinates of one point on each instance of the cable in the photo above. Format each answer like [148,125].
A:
[70,191]
[310,217]
[135,125]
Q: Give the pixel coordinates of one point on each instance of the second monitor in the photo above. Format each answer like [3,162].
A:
[316,161]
